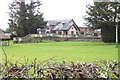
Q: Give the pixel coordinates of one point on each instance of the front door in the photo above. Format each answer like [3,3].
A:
[72,32]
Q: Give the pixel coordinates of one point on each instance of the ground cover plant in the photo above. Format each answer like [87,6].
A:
[68,51]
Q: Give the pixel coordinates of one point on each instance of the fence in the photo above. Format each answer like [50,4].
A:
[55,37]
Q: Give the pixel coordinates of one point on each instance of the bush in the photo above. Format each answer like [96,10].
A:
[108,34]
[58,71]
[81,32]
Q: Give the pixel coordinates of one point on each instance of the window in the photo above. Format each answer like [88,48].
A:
[72,32]
[65,32]
[47,32]
[59,33]
[53,31]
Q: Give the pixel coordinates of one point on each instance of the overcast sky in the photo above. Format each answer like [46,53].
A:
[52,9]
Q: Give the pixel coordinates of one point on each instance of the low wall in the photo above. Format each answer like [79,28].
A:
[39,37]
[85,40]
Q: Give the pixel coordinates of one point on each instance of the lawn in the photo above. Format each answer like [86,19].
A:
[68,51]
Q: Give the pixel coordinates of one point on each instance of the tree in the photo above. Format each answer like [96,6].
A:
[25,18]
[103,16]
[35,19]
[22,20]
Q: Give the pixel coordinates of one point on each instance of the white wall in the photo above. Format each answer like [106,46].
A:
[72,29]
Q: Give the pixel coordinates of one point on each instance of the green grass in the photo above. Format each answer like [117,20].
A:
[68,51]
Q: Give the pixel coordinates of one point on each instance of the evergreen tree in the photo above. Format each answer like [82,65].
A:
[25,18]
[103,16]
[22,28]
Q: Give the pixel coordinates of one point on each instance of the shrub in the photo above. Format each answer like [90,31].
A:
[81,32]
[108,32]
[58,71]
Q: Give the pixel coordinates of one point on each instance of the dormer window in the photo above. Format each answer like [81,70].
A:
[58,22]
[63,23]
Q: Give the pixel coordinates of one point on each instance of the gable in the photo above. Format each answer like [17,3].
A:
[75,25]
[72,28]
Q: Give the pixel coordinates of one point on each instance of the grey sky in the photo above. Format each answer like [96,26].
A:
[52,9]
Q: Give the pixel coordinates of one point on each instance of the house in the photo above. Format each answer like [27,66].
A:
[4,35]
[90,31]
[86,30]
[62,27]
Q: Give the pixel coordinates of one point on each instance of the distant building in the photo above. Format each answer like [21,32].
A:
[4,35]
[86,30]
[90,31]
[61,27]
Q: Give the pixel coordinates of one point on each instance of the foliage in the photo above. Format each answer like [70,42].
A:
[25,18]
[103,16]
[57,71]
[82,33]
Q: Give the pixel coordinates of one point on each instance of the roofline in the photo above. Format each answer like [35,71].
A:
[58,19]
[83,27]
[76,26]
